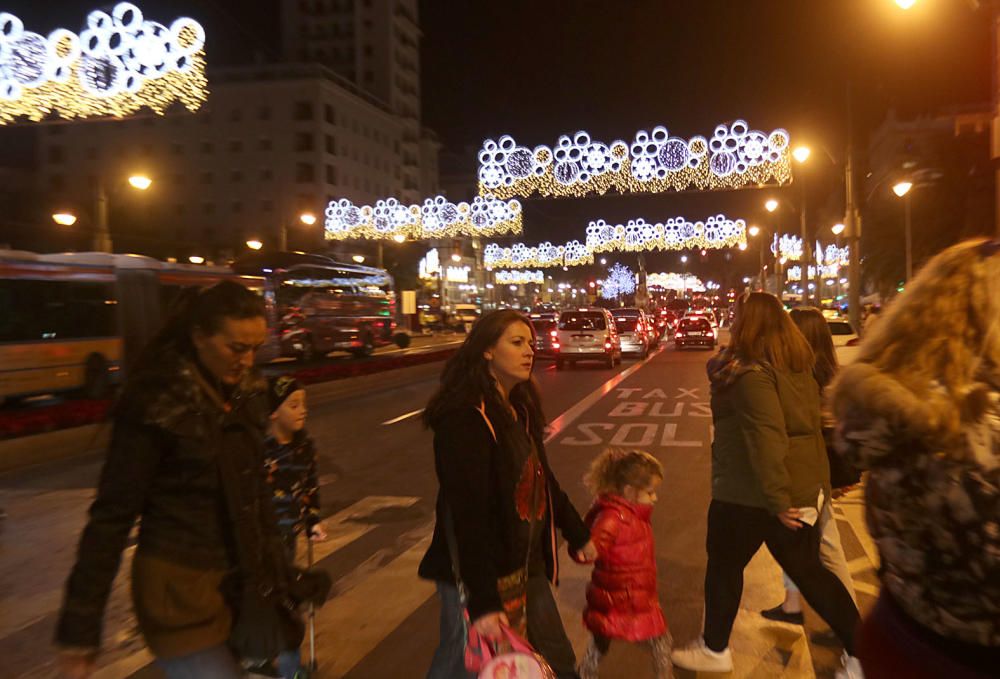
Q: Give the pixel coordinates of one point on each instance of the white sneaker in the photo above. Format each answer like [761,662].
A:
[851,668]
[700,658]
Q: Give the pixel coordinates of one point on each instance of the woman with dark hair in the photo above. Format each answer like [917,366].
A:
[190,419]
[499,504]
[770,478]
[814,327]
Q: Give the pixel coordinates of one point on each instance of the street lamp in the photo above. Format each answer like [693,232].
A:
[254,244]
[902,190]
[399,238]
[837,229]
[906,4]
[140,181]
[64,218]
[196,259]
[771,205]
[360,259]
[801,153]
[307,218]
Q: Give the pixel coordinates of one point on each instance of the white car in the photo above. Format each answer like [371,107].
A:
[841,330]
[587,335]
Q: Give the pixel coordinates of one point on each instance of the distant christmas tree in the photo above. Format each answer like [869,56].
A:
[619,281]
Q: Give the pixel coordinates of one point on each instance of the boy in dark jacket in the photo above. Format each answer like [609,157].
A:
[290,465]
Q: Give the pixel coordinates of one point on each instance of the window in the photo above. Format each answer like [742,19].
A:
[266,173]
[264,144]
[235,146]
[207,147]
[56,154]
[303,110]
[331,174]
[56,310]
[331,145]
[236,176]
[329,115]
[305,173]
[303,141]
[264,113]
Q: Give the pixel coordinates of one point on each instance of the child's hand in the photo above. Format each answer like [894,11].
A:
[588,554]
[317,534]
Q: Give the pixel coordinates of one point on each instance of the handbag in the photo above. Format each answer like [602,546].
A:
[265,624]
[842,472]
[520,661]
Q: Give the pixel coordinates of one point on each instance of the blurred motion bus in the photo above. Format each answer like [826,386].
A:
[73,322]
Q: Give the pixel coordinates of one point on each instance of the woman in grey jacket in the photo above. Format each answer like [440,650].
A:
[770,477]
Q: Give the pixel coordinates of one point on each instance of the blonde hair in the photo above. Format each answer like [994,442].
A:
[616,468]
[763,333]
[933,343]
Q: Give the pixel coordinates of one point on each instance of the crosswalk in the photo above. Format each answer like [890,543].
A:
[380,590]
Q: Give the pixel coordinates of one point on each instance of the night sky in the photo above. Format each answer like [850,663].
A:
[537,69]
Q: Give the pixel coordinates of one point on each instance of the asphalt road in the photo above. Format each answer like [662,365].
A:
[378,489]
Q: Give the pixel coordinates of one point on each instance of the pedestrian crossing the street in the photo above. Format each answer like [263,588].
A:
[373,548]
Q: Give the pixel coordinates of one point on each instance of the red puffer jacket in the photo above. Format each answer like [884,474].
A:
[621,598]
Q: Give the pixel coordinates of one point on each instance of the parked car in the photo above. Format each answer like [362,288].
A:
[695,331]
[841,330]
[546,337]
[587,334]
[464,315]
[632,332]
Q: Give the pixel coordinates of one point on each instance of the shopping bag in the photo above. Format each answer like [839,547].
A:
[511,658]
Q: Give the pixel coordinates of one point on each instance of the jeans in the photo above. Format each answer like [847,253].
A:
[212,663]
[288,663]
[545,633]
[831,553]
[735,533]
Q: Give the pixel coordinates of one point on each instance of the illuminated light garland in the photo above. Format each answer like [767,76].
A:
[520,277]
[674,281]
[117,65]
[825,270]
[654,162]
[675,234]
[435,218]
[833,254]
[637,235]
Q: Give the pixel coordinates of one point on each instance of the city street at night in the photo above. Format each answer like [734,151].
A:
[377,491]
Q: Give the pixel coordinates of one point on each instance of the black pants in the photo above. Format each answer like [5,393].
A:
[735,533]
[545,629]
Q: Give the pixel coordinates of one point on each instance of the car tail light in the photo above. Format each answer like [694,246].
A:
[555,345]
[554,334]
[607,345]
[679,335]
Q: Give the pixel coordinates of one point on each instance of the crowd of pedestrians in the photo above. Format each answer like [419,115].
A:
[215,463]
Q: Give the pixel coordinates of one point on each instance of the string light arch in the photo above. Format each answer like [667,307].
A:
[435,218]
[734,157]
[120,63]
[520,277]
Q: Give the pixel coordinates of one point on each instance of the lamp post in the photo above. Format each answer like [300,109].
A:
[307,218]
[755,231]
[102,235]
[902,189]
[801,155]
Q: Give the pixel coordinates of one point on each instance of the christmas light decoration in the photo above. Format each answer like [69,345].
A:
[826,271]
[520,277]
[789,247]
[435,218]
[654,162]
[675,234]
[619,281]
[120,63]
[675,281]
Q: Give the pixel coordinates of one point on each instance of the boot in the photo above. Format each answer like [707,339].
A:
[660,647]
[590,665]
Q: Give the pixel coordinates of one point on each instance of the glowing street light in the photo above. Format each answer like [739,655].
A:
[196,259]
[684,259]
[801,153]
[64,218]
[771,205]
[754,231]
[140,181]
[742,246]
[906,4]
[254,244]
[399,238]
[837,229]
[902,188]
[307,218]
[603,261]
[455,257]
[359,259]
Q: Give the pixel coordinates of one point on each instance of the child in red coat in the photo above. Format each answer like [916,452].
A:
[622,602]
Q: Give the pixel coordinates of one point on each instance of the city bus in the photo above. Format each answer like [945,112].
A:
[74,322]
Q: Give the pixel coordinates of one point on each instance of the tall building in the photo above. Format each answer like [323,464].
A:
[376,45]
[339,118]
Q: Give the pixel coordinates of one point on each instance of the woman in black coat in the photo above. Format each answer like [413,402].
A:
[499,504]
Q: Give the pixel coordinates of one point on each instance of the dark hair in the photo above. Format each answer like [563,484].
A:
[203,309]
[811,322]
[763,333]
[466,380]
